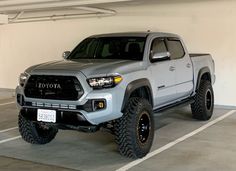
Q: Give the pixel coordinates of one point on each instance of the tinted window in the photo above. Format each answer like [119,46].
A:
[158,46]
[86,48]
[127,48]
[175,48]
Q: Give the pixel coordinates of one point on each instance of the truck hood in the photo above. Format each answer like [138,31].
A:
[93,67]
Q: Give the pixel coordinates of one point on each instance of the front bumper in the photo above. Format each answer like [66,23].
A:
[64,120]
[75,112]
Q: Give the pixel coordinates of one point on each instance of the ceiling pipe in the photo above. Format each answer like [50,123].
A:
[57,4]
[58,17]
[98,10]
[95,12]
[18,15]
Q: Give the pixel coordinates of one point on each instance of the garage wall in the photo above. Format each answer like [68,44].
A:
[206,26]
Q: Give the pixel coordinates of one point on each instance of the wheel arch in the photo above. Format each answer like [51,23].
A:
[203,74]
[141,88]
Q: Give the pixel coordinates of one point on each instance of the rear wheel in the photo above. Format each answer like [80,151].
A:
[36,133]
[203,106]
[134,131]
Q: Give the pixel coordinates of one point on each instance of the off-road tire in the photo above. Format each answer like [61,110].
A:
[134,131]
[203,106]
[33,133]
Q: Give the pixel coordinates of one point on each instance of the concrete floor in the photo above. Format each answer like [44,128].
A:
[6,93]
[212,149]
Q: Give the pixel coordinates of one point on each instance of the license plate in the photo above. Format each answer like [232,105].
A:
[46,115]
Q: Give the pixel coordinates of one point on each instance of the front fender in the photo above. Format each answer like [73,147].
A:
[132,86]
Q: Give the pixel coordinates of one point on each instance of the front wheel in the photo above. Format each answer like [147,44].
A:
[36,133]
[203,106]
[134,131]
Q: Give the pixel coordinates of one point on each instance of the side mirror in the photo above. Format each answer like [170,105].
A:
[65,54]
[163,56]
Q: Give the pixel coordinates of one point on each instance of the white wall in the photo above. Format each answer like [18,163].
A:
[206,26]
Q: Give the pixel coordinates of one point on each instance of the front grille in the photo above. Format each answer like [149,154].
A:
[53,87]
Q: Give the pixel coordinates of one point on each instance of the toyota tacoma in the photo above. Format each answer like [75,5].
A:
[118,82]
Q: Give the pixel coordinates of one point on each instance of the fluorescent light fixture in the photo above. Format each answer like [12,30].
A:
[3,19]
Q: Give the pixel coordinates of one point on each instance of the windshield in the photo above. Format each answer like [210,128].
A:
[126,48]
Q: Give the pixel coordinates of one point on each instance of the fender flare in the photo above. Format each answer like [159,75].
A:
[134,85]
[204,70]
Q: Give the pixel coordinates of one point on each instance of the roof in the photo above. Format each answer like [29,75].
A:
[135,34]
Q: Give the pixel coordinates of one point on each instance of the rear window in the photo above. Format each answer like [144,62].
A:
[175,48]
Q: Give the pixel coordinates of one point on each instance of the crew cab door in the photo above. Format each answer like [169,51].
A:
[183,67]
[163,75]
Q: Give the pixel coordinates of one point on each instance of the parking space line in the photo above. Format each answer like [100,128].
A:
[179,140]
[9,129]
[3,104]
[9,139]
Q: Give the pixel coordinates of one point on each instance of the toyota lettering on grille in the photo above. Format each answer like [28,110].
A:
[48,86]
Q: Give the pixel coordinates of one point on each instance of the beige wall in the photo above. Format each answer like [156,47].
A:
[206,26]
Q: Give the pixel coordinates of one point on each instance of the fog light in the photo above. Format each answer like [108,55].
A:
[99,105]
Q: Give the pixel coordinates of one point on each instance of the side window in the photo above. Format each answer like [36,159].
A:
[88,48]
[105,51]
[158,46]
[175,48]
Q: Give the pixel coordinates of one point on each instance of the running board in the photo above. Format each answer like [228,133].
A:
[181,103]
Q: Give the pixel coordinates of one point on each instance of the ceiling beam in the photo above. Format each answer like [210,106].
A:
[22,2]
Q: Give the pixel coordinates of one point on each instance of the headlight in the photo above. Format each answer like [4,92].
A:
[104,82]
[22,79]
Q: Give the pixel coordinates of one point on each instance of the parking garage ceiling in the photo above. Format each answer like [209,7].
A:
[15,11]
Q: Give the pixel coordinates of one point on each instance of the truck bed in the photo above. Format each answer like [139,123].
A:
[201,61]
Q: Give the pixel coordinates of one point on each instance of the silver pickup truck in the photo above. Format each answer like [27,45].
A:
[117,82]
